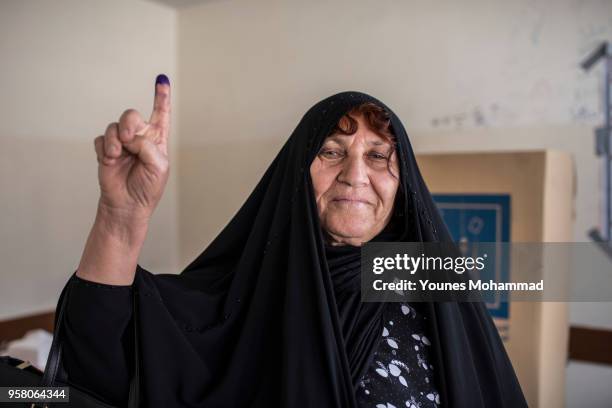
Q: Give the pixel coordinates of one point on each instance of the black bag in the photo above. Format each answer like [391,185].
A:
[18,373]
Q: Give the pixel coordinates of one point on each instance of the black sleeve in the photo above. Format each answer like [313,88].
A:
[98,339]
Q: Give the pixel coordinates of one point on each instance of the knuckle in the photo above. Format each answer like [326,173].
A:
[112,127]
[164,108]
[99,148]
[99,144]
[130,116]
[108,160]
[163,101]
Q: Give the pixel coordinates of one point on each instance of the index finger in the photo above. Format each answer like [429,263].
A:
[161,103]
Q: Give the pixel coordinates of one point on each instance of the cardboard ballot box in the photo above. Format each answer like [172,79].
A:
[540,186]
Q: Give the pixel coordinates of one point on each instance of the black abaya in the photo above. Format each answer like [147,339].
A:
[260,319]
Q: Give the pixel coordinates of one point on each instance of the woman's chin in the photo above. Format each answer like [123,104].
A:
[349,232]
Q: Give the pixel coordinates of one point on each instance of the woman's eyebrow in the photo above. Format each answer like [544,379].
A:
[338,138]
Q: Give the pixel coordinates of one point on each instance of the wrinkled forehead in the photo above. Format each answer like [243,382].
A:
[367,137]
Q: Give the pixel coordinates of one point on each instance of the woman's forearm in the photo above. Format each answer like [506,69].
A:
[112,249]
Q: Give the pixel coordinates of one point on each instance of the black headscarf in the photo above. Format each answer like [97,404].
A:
[269,316]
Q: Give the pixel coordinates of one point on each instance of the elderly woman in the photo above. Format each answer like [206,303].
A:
[270,314]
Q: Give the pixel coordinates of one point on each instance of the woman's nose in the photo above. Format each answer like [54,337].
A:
[354,172]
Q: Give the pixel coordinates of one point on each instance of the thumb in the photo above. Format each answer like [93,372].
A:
[146,151]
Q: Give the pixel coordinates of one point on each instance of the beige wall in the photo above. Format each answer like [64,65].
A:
[69,67]
[443,64]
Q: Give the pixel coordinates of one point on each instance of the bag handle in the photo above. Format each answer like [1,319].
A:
[55,354]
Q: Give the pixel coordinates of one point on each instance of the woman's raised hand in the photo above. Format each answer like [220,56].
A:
[132,171]
[133,160]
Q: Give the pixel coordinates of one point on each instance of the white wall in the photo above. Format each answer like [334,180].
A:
[68,68]
[474,62]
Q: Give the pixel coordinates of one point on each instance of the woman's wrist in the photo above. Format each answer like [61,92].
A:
[113,247]
[126,228]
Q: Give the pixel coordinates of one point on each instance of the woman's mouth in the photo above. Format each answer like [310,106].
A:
[351,201]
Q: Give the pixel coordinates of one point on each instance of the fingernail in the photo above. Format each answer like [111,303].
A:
[162,79]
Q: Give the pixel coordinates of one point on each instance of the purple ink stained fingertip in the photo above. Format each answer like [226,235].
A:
[162,79]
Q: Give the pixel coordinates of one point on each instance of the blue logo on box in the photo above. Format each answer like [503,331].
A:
[474,218]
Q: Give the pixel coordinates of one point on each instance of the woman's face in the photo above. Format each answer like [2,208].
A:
[353,187]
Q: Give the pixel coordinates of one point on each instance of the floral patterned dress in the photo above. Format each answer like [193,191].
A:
[401,374]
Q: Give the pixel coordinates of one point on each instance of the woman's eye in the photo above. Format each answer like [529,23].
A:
[377,156]
[330,154]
